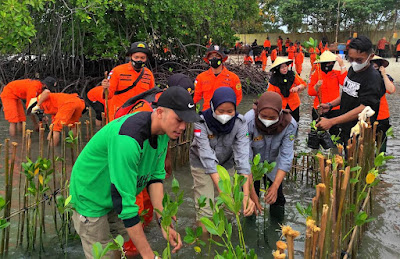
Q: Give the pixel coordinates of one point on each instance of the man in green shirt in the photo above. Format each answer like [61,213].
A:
[122,159]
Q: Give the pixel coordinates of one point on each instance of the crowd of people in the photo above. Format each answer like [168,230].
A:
[119,174]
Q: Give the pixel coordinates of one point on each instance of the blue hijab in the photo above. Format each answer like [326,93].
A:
[221,95]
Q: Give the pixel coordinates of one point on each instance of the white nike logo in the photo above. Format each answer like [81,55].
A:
[190,106]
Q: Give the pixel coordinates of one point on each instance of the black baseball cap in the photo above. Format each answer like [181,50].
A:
[49,82]
[180,101]
[139,46]
[181,80]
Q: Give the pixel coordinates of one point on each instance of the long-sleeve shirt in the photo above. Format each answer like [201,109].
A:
[229,150]
[273,148]
[24,89]
[330,88]
[206,83]
[293,100]
[116,165]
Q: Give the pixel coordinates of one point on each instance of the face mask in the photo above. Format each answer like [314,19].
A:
[358,67]
[223,118]
[326,68]
[137,64]
[215,62]
[268,123]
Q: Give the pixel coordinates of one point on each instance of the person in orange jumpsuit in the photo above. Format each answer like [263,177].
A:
[298,61]
[264,59]
[397,49]
[348,44]
[217,76]
[267,44]
[288,84]
[287,45]
[129,79]
[12,96]
[146,102]
[325,86]
[291,50]
[248,60]
[274,55]
[64,109]
[280,45]
[97,102]
[383,118]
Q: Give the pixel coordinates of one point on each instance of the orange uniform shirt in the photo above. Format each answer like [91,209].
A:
[330,88]
[64,108]
[248,60]
[123,76]
[293,100]
[206,83]
[274,55]
[280,43]
[298,61]
[398,47]
[287,43]
[24,89]
[96,94]
[291,50]
[267,44]
[383,109]
[381,44]
[313,55]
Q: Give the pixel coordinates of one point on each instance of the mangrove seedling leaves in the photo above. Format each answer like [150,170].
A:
[256,159]
[202,201]
[97,250]
[175,186]
[210,226]
[2,202]
[67,201]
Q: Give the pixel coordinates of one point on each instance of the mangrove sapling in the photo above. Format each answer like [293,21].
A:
[193,236]
[4,223]
[65,209]
[230,197]
[170,210]
[71,142]
[116,245]
[38,175]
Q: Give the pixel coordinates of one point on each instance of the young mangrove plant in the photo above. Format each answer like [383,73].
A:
[116,245]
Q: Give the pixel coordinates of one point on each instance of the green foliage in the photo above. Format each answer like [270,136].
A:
[70,140]
[116,244]
[3,222]
[39,174]
[305,212]
[260,169]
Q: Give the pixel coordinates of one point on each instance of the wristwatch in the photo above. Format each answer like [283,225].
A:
[330,106]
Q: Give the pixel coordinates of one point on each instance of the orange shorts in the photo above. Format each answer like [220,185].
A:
[13,110]
[68,113]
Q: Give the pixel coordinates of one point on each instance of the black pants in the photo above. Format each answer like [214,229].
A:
[397,55]
[280,199]
[98,107]
[335,130]
[383,126]
[381,53]
[295,114]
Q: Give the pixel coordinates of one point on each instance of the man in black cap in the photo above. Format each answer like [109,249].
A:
[130,79]
[217,76]
[123,158]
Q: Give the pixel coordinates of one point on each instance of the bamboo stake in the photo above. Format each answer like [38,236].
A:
[41,141]
[87,130]
[90,123]
[106,99]
[353,236]
[9,189]
[6,172]
[321,240]
[343,190]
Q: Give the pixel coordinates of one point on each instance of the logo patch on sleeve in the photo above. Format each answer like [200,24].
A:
[197,132]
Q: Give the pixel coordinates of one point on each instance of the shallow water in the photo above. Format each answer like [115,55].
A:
[381,240]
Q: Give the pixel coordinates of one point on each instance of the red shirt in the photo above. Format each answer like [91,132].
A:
[381,44]
[206,83]
[291,50]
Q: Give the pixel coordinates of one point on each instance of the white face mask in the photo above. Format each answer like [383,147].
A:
[223,118]
[357,67]
[268,123]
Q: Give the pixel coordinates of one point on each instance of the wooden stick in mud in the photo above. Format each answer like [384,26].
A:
[87,130]
[9,189]
[90,122]
[321,240]
[106,100]
[41,141]
[6,171]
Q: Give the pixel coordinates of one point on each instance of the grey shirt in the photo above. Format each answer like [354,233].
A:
[229,150]
[273,148]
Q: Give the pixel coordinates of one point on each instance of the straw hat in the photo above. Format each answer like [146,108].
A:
[384,62]
[327,56]
[279,61]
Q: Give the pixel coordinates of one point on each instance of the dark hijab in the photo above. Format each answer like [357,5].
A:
[274,101]
[283,82]
[221,95]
